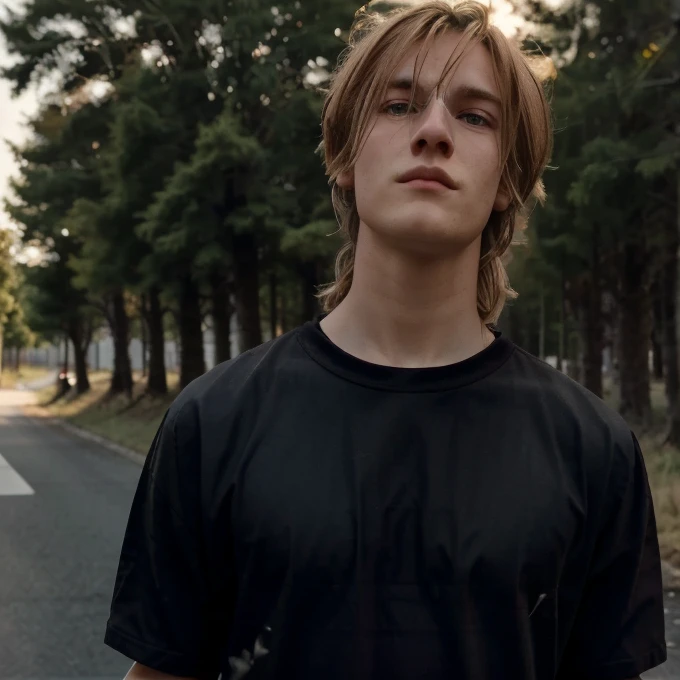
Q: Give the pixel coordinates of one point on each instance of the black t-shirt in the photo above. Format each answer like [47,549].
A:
[304,514]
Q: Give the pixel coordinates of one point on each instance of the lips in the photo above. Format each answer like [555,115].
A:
[430,174]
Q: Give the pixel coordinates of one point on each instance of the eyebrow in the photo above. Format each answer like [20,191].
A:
[465,91]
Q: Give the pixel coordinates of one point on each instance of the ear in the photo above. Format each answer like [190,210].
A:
[502,201]
[346,180]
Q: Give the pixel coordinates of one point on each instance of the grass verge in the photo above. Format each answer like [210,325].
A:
[663,467]
[10,377]
[129,422]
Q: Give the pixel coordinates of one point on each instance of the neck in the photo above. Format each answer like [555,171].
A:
[408,311]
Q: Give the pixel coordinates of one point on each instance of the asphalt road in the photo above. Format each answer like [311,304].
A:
[671,669]
[64,504]
[59,549]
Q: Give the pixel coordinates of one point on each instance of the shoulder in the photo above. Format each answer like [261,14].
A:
[591,431]
[562,396]
[235,379]
[213,418]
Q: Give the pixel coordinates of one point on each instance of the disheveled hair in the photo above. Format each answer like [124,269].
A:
[358,86]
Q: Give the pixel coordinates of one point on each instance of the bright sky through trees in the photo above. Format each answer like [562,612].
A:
[14,111]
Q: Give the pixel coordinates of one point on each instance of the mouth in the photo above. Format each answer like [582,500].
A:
[427,178]
[428,184]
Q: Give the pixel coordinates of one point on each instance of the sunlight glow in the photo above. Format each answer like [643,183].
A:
[30,255]
[99,89]
[503,14]
[125,27]
[151,53]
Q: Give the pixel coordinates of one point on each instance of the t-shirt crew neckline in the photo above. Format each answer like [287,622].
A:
[432,379]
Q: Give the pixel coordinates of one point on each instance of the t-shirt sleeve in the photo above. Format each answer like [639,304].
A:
[619,628]
[167,612]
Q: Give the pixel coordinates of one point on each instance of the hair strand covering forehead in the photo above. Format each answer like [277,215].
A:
[376,46]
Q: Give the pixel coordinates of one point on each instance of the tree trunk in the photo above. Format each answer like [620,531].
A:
[65,367]
[541,325]
[156,383]
[561,341]
[593,330]
[283,315]
[144,333]
[273,316]
[658,330]
[80,341]
[309,282]
[576,347]
[221,317]
[635,321]
[657,356]
[670,293]
[192,359]
[593,344]
[80,360]
[247,289]
[121,380]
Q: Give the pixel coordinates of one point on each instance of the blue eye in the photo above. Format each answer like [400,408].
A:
[477,120]
[397,108]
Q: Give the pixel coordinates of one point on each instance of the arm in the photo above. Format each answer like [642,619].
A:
[139,672]
[172,596]
[619,625]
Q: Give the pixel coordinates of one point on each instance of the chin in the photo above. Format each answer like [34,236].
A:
[430,238]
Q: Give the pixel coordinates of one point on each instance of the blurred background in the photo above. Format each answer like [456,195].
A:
[164,208]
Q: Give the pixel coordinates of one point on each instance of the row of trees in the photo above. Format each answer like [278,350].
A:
[14,332]
[601,267]
[173,174]
[172,171]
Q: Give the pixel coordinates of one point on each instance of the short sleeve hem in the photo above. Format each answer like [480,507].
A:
[158,659]
[626,668]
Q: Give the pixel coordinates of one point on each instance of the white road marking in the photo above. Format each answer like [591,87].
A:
[11,482]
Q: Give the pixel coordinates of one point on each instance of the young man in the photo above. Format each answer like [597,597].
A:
[397,491]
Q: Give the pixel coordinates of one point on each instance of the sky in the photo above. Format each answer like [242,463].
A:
[14,111]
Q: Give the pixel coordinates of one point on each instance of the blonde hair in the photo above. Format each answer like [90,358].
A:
[376,47]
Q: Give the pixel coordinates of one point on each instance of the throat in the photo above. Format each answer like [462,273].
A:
[388,342]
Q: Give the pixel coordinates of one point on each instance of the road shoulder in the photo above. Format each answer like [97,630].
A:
[40,414]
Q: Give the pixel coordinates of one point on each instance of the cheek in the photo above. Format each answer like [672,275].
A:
[376,164]
[365,197]
[369,160]
[482,168]
[371,176]
[485,154]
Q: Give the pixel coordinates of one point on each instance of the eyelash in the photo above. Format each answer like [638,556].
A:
[386,108]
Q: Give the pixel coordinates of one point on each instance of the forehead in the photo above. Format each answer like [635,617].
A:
[474,69]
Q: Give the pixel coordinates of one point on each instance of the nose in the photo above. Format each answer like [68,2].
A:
[431,130]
